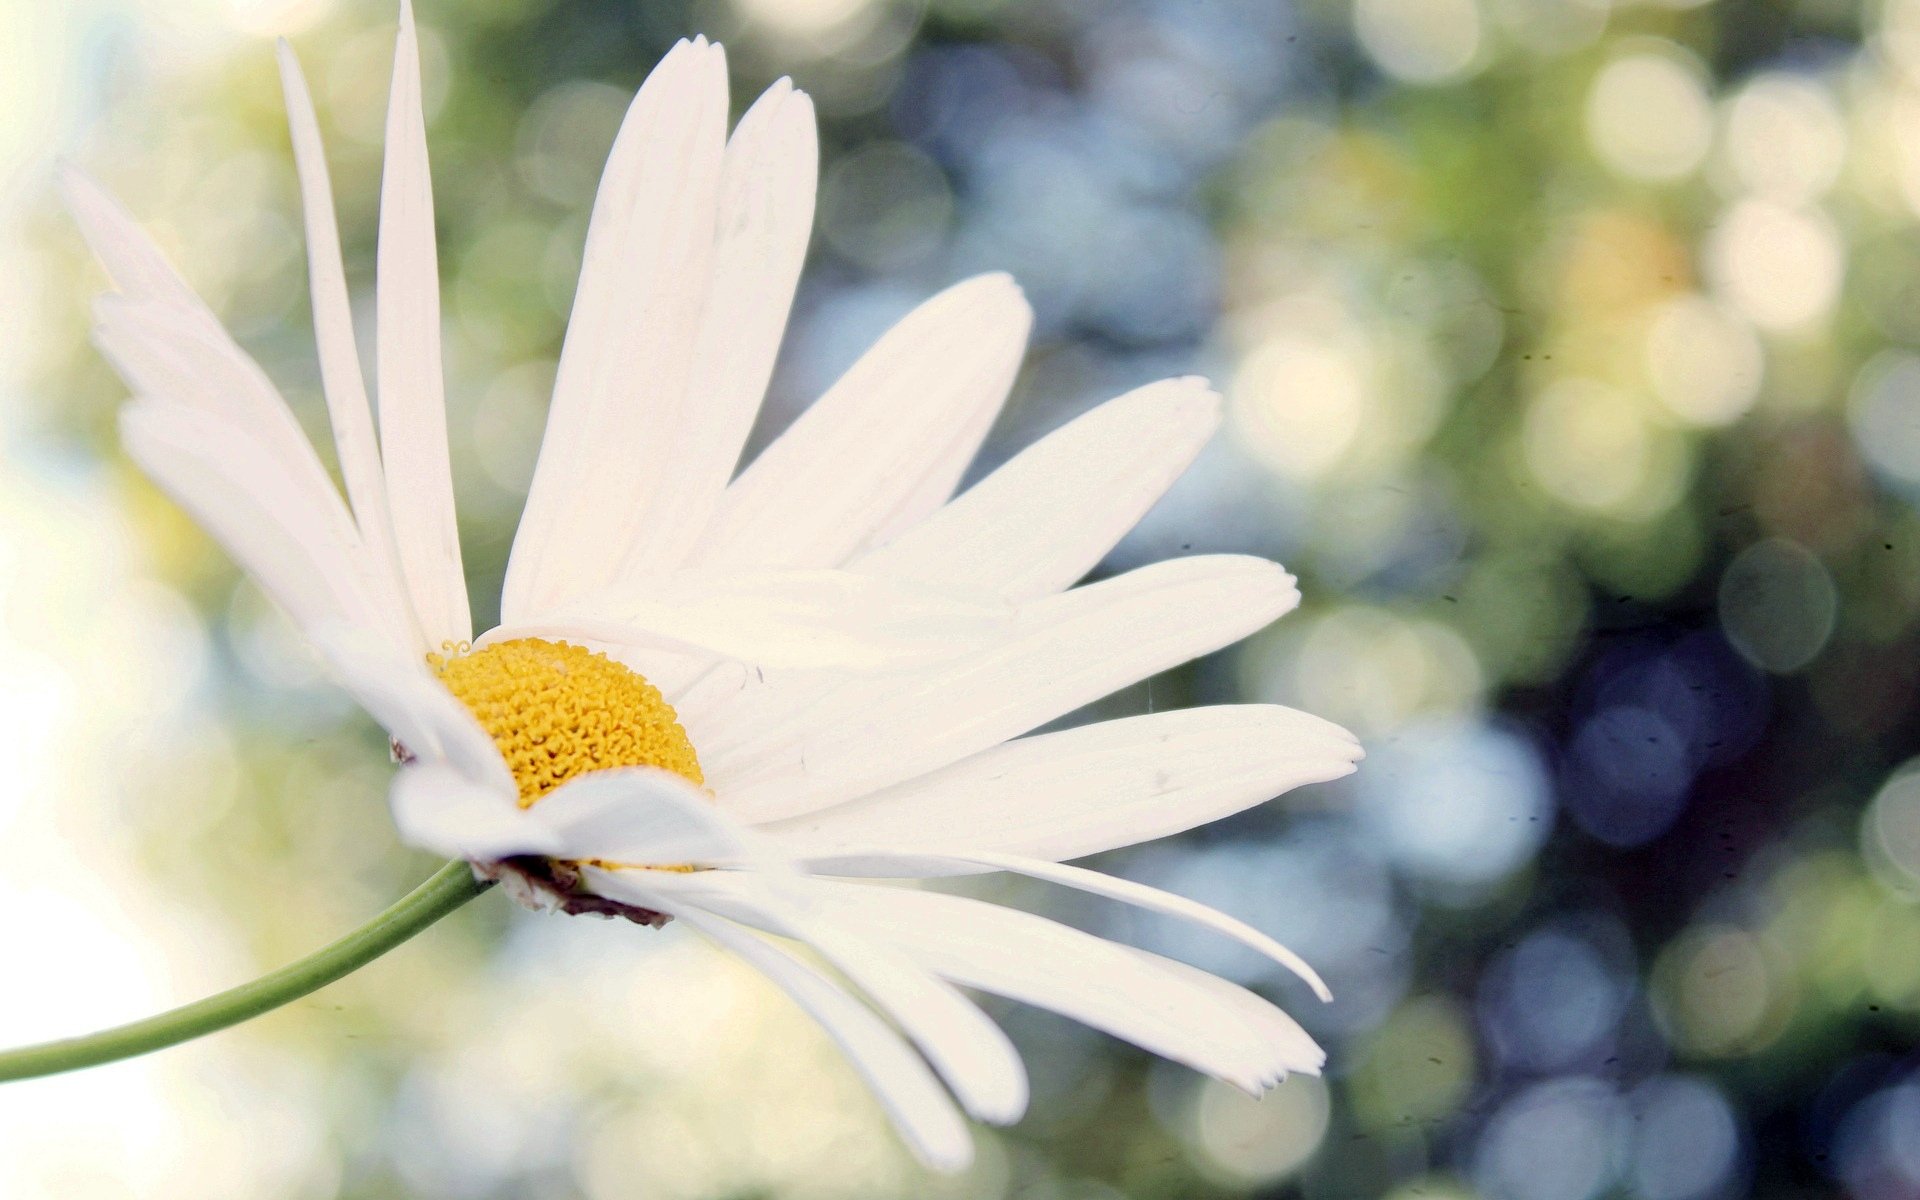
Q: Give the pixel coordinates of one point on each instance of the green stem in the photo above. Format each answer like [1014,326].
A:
[449,888]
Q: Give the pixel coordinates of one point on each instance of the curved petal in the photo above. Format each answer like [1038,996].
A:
[969,1051]
[412,706]
[640,816]
[906,1089]
[627,361]
[1113,988]
[887,864]
[1064,651]
[1049,515]
[438,808]
[1098,787]
[413,409]
[887,443]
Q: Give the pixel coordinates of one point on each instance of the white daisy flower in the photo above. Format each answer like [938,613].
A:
[745,701]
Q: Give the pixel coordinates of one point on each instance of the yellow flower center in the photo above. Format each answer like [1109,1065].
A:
[558,711]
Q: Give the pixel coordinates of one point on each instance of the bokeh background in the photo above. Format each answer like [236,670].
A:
[1573,358]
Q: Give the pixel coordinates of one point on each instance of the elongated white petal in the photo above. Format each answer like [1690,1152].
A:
[413,408]
[235,490]
[784,618]
[760,240]
[906,1089]
[628,357]
[1080,791]
[971,1053]
[1298,1051]
[170,347]
[1050,514]
[439,809]
[1041,962]
[886,864]
[133,262]
[1064,651]
[645,817]
[166,342]
[348,408]
[179,355]
[886,444]
[411,705]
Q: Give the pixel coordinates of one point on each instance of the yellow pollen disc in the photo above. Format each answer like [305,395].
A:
[558,711]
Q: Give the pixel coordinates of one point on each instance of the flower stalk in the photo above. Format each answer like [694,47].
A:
[449,888]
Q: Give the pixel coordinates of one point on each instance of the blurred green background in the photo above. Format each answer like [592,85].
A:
[1573,358]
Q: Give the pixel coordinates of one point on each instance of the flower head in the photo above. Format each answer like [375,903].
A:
[739,700]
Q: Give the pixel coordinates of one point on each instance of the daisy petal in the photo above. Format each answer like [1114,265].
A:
[1050,514]
[348,408]
[970,1052]
[412,706]
[794,619]
[133,262]
[235,489]
[765,216]
[641,816]
[622,386]
[907,1090]
[1298,1051]
[169,347]
[887,443]
[1064,651]
[887,864]
[1099,983]
[1098,787]
[413,409]
[439,809]
[175,350]
[178,355]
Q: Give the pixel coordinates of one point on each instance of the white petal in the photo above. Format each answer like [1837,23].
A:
[885,864]
[440,809]
[411,705]
[1034,960]
[179,355]
[971,1053]
[645,817]
[233,487]
[887,443]
[1298,1052]
[1050,514]
[346,389]
[703,699]
[182,359]
[766,214]
[413,409]
[1098,787]
[169,346]
[795,619]
[906,1089]
[160,325]
[628,357]
[133,262]
[1065,651]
